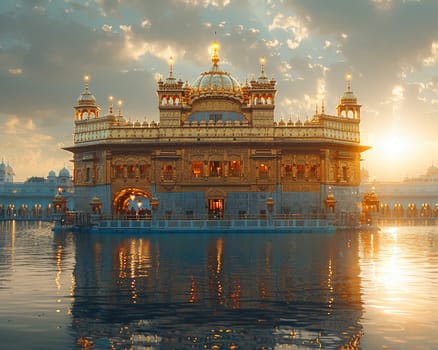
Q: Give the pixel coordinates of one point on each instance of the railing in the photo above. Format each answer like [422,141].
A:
[277,225]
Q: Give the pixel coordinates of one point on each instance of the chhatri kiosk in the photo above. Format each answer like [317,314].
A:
[216,152]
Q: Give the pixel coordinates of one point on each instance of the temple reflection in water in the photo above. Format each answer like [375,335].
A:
[203,290]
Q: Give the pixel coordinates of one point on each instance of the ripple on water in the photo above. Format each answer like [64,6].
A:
[211,291]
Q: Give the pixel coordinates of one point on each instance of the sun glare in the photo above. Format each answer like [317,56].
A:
[394,146]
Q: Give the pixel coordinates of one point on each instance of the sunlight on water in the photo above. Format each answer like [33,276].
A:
[399,282]
[249,291]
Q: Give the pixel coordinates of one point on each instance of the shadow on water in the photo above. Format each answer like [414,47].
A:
[217,291]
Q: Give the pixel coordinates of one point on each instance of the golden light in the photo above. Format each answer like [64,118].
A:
[215,45]
[170,60]
[214,48]
[262,60]
[86,78]
[394,146]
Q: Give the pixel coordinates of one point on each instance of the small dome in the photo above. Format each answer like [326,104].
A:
[51,174]
[349,97]
[64,172]
[2,166]
[86,98]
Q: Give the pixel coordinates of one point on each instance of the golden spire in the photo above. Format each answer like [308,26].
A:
[110,105]
[86,79]
[215,55]
[119,103]
[322,106]
[348,78]
[170,67]
[262,67]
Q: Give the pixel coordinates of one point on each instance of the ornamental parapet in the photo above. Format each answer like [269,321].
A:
[217,130]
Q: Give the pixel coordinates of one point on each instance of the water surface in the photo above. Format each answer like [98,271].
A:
[211,291]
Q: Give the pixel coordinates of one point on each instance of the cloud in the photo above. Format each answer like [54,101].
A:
[431,59]
[309,45]
[107,28]
[292,24]
[15,71]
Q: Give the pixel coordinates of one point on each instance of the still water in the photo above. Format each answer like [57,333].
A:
[302,291]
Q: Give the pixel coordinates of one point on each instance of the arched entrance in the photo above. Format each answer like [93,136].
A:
[132,202]
[216,203]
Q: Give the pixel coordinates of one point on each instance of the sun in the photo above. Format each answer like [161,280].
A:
[394,146]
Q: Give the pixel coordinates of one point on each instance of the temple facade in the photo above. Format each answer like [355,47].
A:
[216,151]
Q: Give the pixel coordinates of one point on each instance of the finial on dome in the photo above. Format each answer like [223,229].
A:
[262,67]
[322,107]
[111,105]
[119,103]
[86,79]
[348,78]
[316,108]
[215,56]
[170,66]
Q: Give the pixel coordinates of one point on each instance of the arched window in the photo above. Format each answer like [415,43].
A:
[119,171]
[131,171]
[143,171]
[215,168]
[235,168]
[263,171]
[300,170]
[197,169]
[168,172]
[288,169]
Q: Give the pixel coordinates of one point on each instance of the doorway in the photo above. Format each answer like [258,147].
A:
[216,208]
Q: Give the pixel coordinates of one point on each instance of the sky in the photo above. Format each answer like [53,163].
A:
[390,48]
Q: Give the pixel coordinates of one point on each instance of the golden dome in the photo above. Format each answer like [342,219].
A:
[216,81]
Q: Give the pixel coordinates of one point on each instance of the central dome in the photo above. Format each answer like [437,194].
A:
[216,79]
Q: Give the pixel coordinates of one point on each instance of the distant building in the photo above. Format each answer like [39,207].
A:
[6,173]
[33,199]
[415,195]
[217,151]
